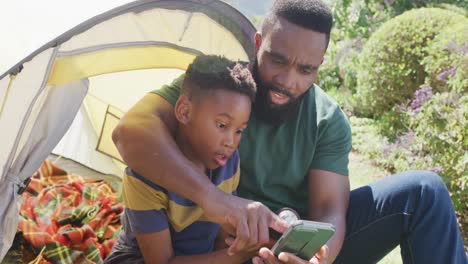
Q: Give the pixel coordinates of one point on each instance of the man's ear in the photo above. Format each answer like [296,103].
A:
[258,41]
[183,109]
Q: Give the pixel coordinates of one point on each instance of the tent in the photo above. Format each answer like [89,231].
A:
[67,96]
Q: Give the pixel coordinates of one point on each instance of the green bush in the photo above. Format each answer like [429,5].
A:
[436,140]
[328,75]
[337,75]
[447,59]
[393,123]
[366,138]
[347,58]
[390,69]
[457,7]
[442,124]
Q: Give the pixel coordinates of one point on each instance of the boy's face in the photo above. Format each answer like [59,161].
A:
[214,125]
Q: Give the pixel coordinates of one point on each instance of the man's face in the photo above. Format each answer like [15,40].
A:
[288,57]
[215,126]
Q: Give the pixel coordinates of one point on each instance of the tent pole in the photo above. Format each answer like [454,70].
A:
[12,77]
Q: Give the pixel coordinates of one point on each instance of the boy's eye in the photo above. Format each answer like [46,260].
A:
[239,131]
[220,125]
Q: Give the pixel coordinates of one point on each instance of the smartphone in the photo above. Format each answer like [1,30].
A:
[304,238]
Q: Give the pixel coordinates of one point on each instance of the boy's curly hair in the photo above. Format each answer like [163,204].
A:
[210,72]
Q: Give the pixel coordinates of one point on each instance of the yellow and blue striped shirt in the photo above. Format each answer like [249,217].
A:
[150,208]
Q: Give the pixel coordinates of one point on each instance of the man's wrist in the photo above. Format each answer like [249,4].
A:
[208,194]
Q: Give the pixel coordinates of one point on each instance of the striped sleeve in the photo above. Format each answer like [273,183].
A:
[145,203]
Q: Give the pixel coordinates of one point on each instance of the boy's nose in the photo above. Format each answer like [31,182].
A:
[228,140]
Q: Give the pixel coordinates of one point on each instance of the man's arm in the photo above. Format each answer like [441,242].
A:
[144,138]
[145,142]
[328,175]
[328,202]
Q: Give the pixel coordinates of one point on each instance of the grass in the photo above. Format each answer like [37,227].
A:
[362,172]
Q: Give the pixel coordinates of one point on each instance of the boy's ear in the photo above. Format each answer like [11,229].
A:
[182,109]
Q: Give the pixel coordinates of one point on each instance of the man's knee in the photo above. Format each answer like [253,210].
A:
[430,185]
[428,180]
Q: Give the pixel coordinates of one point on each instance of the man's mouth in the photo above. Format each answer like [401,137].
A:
[278,98]
[221,159]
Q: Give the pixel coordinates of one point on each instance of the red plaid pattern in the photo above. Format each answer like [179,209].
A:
[74,218]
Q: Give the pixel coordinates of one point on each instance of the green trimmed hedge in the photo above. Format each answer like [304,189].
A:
[447,61]
[391,69]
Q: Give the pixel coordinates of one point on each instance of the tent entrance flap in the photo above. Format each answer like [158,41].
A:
[105,144]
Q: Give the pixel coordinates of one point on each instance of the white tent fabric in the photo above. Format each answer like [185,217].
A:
[84,80]
[46,134]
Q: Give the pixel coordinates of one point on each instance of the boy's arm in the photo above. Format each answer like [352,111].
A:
[164,253]
[144,138]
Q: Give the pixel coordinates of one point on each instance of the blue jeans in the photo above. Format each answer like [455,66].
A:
[411,209]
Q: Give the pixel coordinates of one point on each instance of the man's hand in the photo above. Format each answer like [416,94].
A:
[247,220]
[266,256]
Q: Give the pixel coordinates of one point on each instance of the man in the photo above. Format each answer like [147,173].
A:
[295,154]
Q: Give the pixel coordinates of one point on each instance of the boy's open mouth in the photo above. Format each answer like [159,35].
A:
[221,159]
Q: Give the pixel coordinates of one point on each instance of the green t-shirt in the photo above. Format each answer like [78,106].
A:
[275,161]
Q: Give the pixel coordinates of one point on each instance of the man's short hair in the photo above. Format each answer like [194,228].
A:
[211,72]
[310,14]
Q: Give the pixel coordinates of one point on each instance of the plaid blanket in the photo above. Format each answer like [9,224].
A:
[69,218]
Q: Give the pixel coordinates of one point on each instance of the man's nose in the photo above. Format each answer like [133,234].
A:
[285,79]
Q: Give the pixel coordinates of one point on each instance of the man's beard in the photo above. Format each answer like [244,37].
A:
[265,109]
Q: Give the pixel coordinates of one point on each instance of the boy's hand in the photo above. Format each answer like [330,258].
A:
[247,220]
[265,256]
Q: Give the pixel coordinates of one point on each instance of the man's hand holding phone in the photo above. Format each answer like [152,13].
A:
[302,242]
[266,256]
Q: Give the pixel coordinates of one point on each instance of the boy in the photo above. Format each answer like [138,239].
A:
[162,227]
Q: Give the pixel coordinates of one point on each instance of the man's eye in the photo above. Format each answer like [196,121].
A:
[239,131]
[220,125]
[305,71]
[277,60]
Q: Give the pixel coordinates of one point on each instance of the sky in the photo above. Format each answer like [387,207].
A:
[26,25]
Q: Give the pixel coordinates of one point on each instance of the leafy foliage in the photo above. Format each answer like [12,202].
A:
[390,67]
[442,124]
[410,75]
[446,62]
[436,140]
